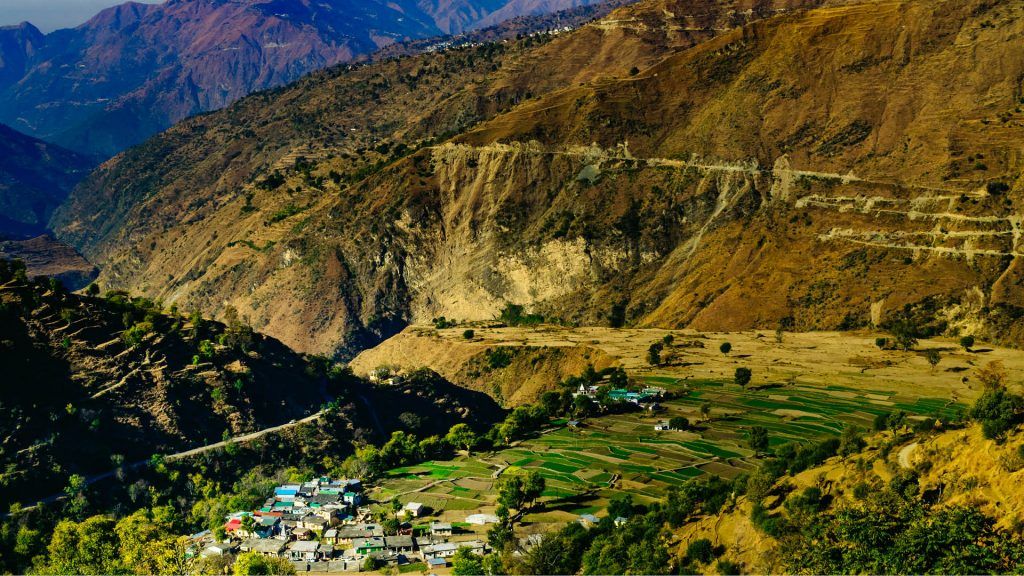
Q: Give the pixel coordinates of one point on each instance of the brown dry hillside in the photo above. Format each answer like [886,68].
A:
[531,369]
[282,204]
[723,187]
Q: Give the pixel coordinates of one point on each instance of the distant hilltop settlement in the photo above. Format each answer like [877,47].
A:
[324,526]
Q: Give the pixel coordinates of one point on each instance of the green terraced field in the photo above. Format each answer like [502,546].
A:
[623,452]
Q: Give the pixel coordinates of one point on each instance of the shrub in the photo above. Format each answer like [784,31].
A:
[134,335]
[468,334]
[729,567]
[498,358]
[725,348]
[700,551]
[654,354]
[882,343]
[997,187]
[967,342]
[999,411]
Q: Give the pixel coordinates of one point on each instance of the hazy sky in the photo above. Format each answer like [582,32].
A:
[49,15]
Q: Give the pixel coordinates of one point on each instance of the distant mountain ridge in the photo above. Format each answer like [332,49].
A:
[35,177]
[135,69]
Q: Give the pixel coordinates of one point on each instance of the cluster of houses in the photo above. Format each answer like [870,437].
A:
[323,526]
[647,398]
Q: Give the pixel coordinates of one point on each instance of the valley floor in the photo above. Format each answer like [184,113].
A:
[806,387]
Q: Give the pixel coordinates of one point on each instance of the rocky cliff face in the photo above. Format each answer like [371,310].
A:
[688,181]
[135,69]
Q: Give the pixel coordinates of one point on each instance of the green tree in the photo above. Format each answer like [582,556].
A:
[466,563]
[851,441]
[468,334]
[583,406]
[967,342]
[904,333]
[999,411]
[742,376]
[462,436]
[757,438]
[255,564]
[700,550]
[725,348]
[510,493]
[87,547]
[705,411]
[621,506]
[678,423]
[533,487]
[654,353]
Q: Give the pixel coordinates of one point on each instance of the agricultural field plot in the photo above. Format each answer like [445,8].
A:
[585,467]
[805,388]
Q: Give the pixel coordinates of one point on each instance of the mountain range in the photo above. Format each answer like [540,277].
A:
[135,69]
[674,165]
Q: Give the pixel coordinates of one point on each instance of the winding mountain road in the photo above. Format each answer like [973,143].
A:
[179,456]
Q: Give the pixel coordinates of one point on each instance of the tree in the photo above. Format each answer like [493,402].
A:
[933,357]
[462,436]
[725,348]
[621,506]
[510,493]
[654,353]
[992,375]
[668,339]
[519,492]
[410,420]
[705,411]
[552,403]
[533,487]
[678,423]
[88,547]
[967,342]
[881,342]
[742,376]
[851,441]
[904,333]
[583,406]
[256,564]
[468,334]
[78,502]
[93,289]
[501,534]
[390,526]
[466,563]
[700,550]
[758,439]
[999,411]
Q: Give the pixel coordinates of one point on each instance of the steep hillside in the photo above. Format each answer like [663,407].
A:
[901,489]
[45,256]
[135,69]
[96,383]
[87,378]
[256,205]
[35,177]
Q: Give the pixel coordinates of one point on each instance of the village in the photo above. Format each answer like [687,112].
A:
[326,525]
